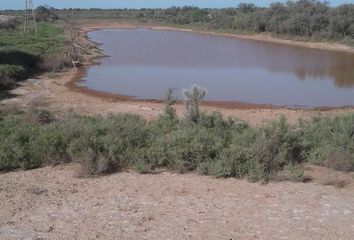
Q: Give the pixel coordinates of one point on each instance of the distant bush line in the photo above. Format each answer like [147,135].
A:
[304,19]
[211,145]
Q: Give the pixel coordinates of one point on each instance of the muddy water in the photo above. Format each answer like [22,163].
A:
[143,63]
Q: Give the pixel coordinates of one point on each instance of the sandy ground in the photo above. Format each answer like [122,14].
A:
[54,203]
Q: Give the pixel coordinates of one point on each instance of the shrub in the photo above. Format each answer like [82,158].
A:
[276,145]
[291,172]
[144,160]
[44,14]
[329,142]
[237,159]
[95,164]
[54,63]
[7,22]
[39,116]
[51,143]
[339,159]
[189,146]
[115,138]
[212,145]
[334,179]
[256,154]
[16,145]
[9,74]
[233,162]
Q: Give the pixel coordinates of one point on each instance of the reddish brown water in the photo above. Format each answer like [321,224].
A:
[144,63]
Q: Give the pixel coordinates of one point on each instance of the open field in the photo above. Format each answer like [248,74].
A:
[168,206]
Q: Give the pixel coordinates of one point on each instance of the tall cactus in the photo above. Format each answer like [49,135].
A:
[193,95]
[170,100]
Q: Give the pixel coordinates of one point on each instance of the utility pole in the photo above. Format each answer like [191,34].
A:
[30,18]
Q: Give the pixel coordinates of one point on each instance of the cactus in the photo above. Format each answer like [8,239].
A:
[193,95]
[170,100]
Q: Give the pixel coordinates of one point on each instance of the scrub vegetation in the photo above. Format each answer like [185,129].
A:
[209,145]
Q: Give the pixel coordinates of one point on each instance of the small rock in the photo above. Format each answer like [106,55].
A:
[44,229]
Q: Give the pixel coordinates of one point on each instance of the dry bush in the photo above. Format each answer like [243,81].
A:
[94,164]
[8,22]
[292,173]
[333,179]
[54,64]
[339,160]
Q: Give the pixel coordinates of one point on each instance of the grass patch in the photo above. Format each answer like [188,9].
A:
[22,55]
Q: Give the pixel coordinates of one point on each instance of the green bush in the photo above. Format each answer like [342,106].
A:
[114,138]
[329,142]
[276,145]
[16,144]
[51,144]
[9,74]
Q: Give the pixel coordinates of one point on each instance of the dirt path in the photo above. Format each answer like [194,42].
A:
[53,203]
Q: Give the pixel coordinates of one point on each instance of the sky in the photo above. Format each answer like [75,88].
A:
[19,4]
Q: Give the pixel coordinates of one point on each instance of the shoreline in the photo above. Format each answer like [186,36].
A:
[61,94]
[86,28]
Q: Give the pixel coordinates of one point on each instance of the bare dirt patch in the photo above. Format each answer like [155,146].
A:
[53,203]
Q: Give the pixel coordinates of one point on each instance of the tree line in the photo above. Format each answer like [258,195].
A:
[304,18]
[312,19]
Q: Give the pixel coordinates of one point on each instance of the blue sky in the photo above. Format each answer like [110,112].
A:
[18,4]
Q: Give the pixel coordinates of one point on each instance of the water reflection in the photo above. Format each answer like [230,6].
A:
[144,63]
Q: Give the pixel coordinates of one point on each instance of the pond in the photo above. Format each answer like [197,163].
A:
[143,63]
